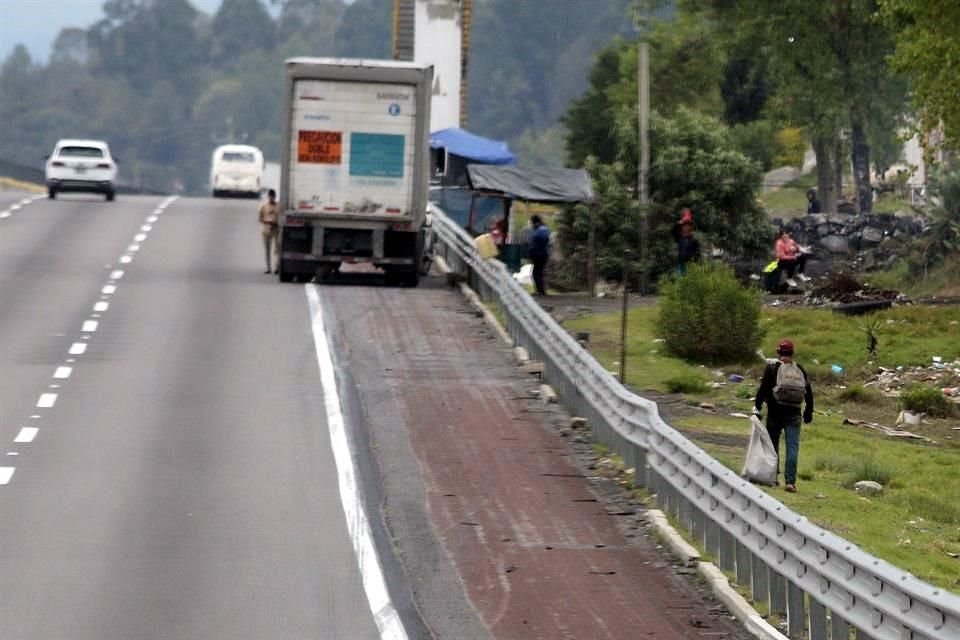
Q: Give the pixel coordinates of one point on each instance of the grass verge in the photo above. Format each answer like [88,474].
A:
[915,524]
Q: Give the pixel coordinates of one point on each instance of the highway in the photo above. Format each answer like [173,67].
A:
[190,450]
[172,469]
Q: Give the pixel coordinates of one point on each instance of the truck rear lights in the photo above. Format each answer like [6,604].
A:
[57,163]
[103,165]
[294,222]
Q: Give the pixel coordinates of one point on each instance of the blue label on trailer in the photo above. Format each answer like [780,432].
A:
[378,155]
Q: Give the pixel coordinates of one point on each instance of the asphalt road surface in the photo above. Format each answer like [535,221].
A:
[186,446]
[165,464]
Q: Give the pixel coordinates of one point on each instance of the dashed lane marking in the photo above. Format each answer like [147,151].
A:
[27,434]
[46,400]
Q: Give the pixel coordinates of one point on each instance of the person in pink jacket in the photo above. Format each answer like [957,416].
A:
[790,259]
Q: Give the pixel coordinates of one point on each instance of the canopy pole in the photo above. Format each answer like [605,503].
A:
[592,251]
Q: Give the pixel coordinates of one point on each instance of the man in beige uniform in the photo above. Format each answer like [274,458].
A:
[270,229]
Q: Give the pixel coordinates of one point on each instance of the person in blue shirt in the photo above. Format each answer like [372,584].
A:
[539,252]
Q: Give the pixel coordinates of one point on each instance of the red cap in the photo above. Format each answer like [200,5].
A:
[686,215]
[785,346]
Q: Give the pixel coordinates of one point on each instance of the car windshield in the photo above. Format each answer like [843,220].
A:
[81,152]
[239,156]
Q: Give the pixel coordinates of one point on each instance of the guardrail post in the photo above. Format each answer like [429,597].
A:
[817,620]
[778,592]
[796,612]
[743,562]
[759,579]
[686,514]
[713,539]
[839,629]
[727,550]
[700,527]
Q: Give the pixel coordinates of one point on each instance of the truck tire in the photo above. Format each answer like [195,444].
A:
[410,278]
[52,194]
[284,275]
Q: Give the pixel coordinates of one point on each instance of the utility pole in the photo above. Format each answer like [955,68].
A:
[643,139]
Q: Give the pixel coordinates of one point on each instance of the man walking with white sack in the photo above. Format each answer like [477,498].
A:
[785,388]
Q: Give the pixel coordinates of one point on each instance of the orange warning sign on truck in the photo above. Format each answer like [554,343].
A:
[320,147]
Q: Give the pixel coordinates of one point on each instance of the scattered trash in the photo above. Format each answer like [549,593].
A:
[887,431]
[735,378]
[909,418]
[837,369]
[707,406]
[737,414]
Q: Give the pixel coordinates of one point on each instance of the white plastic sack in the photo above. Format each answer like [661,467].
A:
[525,275]
[761,463]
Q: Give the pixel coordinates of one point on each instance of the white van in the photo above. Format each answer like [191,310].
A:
[236,169]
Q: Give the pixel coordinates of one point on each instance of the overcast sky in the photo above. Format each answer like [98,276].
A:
[36,23]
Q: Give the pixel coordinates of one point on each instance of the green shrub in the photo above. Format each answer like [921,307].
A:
[706,316]
[834,463]
[860,394]
[687,382]
[745,391]
[868,468]
[790,148]
[921,399]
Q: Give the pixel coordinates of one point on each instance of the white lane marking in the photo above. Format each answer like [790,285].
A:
[133,248]
[109,289]
[16,207]
[89,326]
[146,227]
[35,416]
[13,453]
[27,434]
[4,214]
[77,349]
[374,584]
[26,201]
[101,306]
[126,259]
[46,400]
[53,386]
[5,474]
[140,237]
[117,274]
[62,373]
[152,219]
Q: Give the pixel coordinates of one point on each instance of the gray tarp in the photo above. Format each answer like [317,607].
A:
[533,185]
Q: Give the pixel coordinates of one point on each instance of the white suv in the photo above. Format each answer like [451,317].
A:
[81,165]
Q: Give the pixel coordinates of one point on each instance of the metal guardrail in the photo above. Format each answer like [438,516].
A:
[823,584]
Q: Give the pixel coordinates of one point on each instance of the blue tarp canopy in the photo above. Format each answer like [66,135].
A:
[472,147]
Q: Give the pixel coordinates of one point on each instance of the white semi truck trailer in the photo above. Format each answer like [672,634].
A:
[354,174]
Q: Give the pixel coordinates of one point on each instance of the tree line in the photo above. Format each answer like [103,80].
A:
[740,87]
[164,83]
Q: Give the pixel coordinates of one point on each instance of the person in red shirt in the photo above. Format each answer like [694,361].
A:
[791,260]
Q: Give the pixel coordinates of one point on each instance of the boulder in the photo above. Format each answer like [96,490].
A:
[836,244]
[868,487]
[872,235]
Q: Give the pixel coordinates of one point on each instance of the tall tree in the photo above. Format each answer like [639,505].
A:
[240,26]
[683,72]
[830,59]
[928,52]
[149,40]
